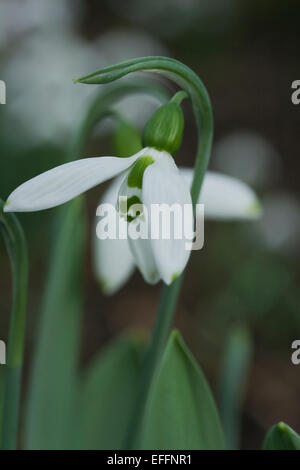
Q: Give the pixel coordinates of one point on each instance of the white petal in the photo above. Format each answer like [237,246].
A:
[225,197]
[144,259]
[163,184]
[112,259]
[63,183]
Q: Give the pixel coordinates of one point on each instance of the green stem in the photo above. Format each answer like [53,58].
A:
[185,78]
[179,97]
[161,329]
[17,249]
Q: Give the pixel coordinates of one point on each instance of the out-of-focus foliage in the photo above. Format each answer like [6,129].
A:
[234,372]
[106,395]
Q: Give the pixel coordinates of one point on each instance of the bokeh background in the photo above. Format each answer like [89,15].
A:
[247,54]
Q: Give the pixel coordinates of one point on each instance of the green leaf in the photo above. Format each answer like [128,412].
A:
[107,395]
[11,383]
[181,412]
[281,437]
[1,396]
[54,371]
[234,373]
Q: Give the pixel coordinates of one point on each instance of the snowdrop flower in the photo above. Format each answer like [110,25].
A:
[148,177]
[224,198]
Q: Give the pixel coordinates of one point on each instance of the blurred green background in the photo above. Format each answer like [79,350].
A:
[247,54]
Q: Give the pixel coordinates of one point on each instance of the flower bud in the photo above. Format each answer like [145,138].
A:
[164,130]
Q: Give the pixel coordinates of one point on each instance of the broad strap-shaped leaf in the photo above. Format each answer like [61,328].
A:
[107,394]
[53,384]
[181,412]
[1,396]
[281,437]
[10,386]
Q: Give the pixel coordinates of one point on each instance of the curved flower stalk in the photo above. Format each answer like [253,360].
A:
[224,198]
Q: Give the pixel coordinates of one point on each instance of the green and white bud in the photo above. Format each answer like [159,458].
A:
[164,130]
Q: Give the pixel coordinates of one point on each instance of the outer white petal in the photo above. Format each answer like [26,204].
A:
[163,183]
[225,197]
[144,259]
[63,183]
[112,259]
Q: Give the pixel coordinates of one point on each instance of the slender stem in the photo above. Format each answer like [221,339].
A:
[191,83]
[179,97]
[17,249]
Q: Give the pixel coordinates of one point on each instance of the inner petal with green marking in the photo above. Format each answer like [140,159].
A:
[130,204]
[135,177]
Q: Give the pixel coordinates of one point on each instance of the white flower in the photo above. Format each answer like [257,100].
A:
[150,176]
[224,198]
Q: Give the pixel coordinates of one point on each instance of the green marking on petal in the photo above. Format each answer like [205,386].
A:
[135,177]
[133,200]
[125,205]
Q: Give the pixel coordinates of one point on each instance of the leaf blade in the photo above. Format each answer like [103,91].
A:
[54,372]
[107,395]
[281,437]
[181,413]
